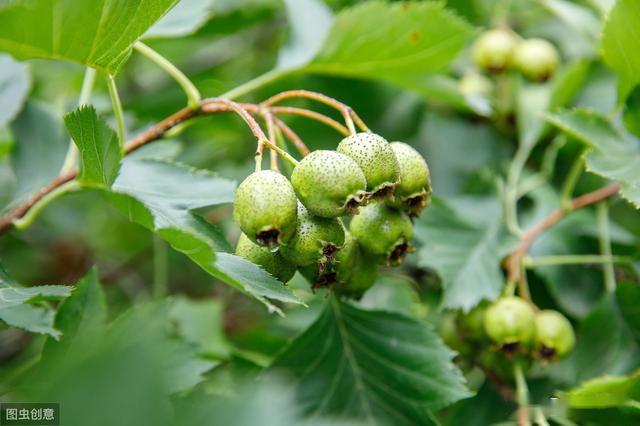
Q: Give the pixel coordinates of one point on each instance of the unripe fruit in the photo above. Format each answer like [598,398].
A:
[448,330]
[270,261]
[340,272]
[554,335]
[510,322]
[316,239]
[472,323]
[376,159]
[329,183]
[536,59]
[493,50]
[383,232]
[265,207]
[412,194]
[363,277]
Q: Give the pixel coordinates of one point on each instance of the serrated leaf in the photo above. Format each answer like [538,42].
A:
[184,19]
[393,42]
[604,392]
[39,151]
[17,307]
[100,152]
[15,83]
[80,317]
[97,33]
[610,155]
[620,44]
[381,367]
[467,256]
[152,193]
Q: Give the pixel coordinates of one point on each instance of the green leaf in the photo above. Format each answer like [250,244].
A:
[80,317]
[309,23]
[152,194]
[40,149]
[380,367]
[392,41]
[18,305]
[620,44]
[467,256]
[97,33]
[628,297]
[579,17]
[187,17]
[604,392]
[610,154]
[15,83]
[100,152]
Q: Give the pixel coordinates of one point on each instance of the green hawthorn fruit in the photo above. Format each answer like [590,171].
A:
[510,322]
[376,159]
[383,232]
[270,261]
[472,323]
[338,272]
[451,336]
[412,193]
[316,239]
[493,50]
[363,276]
[536,59]
[554,335]
[265,207]
[329,183]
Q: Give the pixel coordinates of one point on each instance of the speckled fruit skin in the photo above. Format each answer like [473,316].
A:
[493,50]
[412,193]
[265,207]
[270,261]
[337,273]
[329,183]
[383,232]
[313,237]
[364,274]
[554,335]
[510,321]
[376,159]
[536,59]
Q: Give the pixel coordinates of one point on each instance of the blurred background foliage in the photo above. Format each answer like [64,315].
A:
[206,342]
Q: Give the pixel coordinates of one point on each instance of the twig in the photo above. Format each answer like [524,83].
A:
[271,129]
[293,136]
[514,261]
[310,114]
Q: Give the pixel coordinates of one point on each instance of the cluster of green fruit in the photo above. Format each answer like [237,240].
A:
[510,328]
[298,224]
[499,50]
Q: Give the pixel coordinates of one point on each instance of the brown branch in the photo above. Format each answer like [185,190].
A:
[293,136]
[514,261]
[311,114]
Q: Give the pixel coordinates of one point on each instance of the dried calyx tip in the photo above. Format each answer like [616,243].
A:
[268,237]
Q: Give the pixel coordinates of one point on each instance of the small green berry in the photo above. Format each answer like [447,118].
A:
[493,50]
[510,322]
[412,194]
[329,183]
[316,239]
[472,323]
[376,159]
[265,207]
[383,232]
[536,59]
[340,272]
[270,261]
[554,335]
[448,330]
[363,277]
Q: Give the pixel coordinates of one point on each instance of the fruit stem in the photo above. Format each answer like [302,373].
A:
[30,216]
[311,114]
[85,96]
[193,95]
[522,395]
[293,136]
[604,241]
[570,182]
[117,108]
[271,130]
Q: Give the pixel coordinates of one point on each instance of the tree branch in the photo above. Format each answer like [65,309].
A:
[514,261]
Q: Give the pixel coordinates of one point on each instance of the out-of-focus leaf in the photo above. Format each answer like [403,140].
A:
[466,256]
[604,392]
[579,17]
[96,33]
[41,145]
[184,19]
[628,297]
[620,44]
[81,317]
[381,367]
[309,23]
[152,193]
[488,408]
[200,323]
[394,293]
[632,112]
[100,152]
[15,82]
[610,155]
[19,308]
